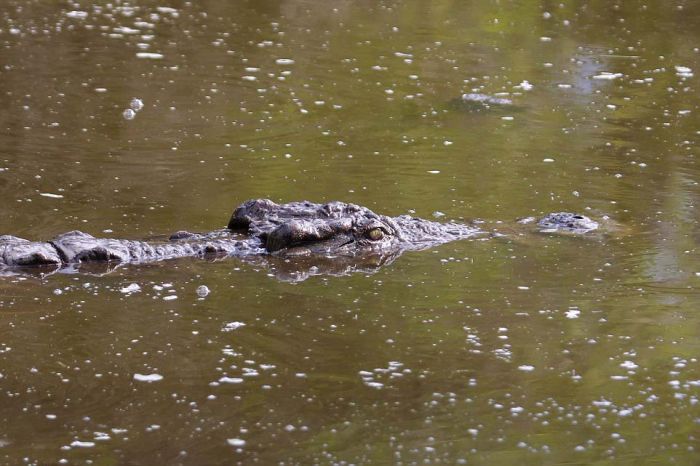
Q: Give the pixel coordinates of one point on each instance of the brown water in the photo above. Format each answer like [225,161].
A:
[535,350]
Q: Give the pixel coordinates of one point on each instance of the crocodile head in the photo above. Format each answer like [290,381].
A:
[337,229]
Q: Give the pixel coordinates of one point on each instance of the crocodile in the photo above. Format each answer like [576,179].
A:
[339,237]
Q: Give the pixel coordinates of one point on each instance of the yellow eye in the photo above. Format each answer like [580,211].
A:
[375,234]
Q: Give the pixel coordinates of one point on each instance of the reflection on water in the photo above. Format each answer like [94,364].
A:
[527,348]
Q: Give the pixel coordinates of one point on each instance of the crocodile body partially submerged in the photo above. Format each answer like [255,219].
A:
[335,232]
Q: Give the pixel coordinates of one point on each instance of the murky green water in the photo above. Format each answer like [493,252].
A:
[528,349]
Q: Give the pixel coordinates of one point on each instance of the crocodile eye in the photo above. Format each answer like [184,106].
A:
[375,234]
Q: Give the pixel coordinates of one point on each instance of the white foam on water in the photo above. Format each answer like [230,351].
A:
[232,326]
[607,76]
[149,55]
[126,30]
[77,14]
[148,377]
[79,444]
[629,365]
[231,380]
[235,442]
[133,288]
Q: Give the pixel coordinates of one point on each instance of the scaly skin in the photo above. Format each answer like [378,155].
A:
[335,231]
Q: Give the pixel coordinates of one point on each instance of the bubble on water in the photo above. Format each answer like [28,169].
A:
[136,104]
[129,114]
[203,291]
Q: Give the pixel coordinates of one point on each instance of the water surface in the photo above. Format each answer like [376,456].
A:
[524,349]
